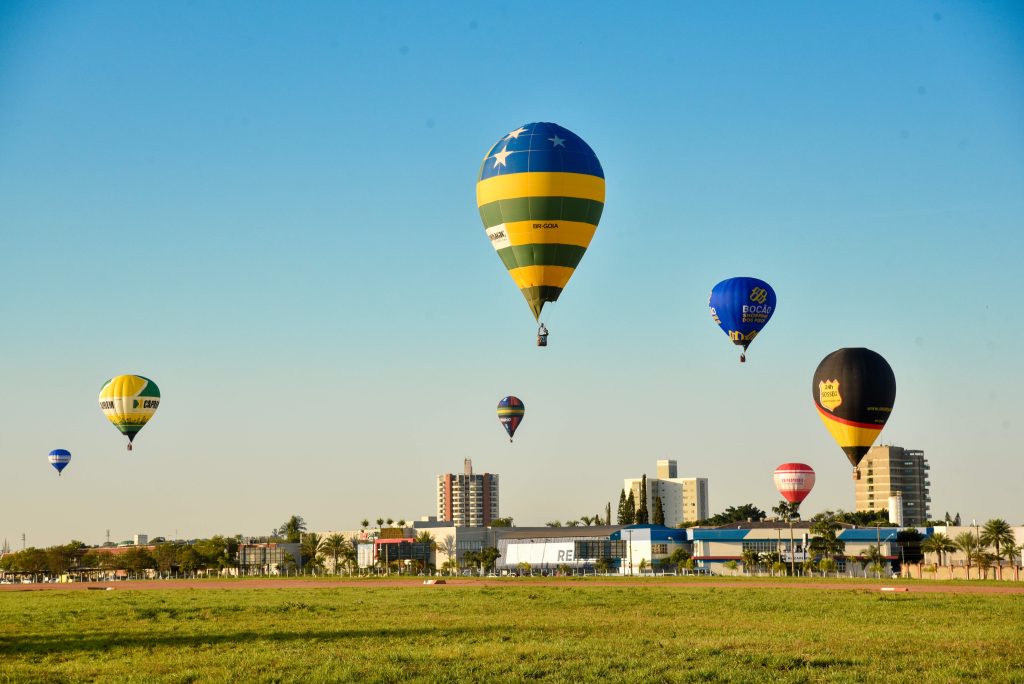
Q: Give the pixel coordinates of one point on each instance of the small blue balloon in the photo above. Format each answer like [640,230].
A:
[59,459]
[742,307]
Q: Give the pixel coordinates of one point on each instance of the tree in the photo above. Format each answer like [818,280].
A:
[872,557]
[809,566]
[984,561]
[659,512]
[447,546]
[292,529]
[643,565]
[622,514]
[608,513]
[827,565]
[630,508]
[825,542]
[731,565]
[938,544]
[998,533]
[785,511]
[642,515]
[733,514]
[390,521]
[523,568]
[137,559]
[572,523]
[502,522]
[364,524]
[488,556]
[552,523]
[679,558]
[334,546]
[401,523]
[310,550]
[749,561]
[603,565]
[968,543]
[189,559]
[909,540]
[166,557]
[380,522]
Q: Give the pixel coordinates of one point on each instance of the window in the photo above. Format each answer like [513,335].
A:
[659,548]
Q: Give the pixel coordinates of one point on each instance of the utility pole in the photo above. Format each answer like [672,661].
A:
[22,541]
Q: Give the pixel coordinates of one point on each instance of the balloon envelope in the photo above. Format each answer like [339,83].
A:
[510,414]
[794,481]
[854,391]
[129,401]
[540,192]
[742,307]
[59,459]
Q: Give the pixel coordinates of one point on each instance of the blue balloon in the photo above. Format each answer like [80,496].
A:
[59,459]
[742,307]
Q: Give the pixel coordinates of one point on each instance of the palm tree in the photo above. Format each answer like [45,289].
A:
[334,546]
[998,533]
[447,546]
[391,521]
[968,543]
[872,556]
[401,523]
[364,524]
[310,548]
[824,538]
[938,544]
[380,522]
[984,561]
[292,529]
[749,560]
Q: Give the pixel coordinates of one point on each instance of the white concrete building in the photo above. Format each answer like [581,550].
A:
[683,499]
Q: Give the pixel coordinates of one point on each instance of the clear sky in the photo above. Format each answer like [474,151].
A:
[269,209]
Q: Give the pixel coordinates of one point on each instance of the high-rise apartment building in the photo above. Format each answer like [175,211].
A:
[467,500]
[683,499]
[894,474]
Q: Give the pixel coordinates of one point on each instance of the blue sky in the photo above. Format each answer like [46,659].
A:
[269,209]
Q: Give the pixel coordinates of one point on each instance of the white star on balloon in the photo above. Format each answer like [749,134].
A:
[499,157]
[515,133]
[557,142]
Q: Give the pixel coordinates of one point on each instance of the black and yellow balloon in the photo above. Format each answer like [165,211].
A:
[540,192]
[854,391]
[129,401]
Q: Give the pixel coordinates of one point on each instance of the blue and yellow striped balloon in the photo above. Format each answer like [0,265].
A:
[59,459]
[540,192]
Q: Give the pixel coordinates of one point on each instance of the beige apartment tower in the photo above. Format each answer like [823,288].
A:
[683,499]
[467,500]
[894,474]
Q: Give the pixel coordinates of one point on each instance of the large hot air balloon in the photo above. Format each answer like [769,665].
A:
[742,307]
[794,481]
[540,192]
[510,414]
[129,401]
[59,459]
[854,391]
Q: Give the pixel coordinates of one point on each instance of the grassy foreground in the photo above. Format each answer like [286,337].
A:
[662,632]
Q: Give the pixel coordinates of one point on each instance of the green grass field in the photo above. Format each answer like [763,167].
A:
[666,631]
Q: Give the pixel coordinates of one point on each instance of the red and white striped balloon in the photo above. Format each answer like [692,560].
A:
[794,481]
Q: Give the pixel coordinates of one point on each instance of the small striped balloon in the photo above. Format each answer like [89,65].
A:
[510,413]
[794,481]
